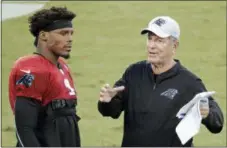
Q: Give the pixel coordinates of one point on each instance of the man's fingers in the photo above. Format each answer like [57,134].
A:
[103,89]
[204,110]
[101,94]
[204,113]
[117,89]
[107,85]
[101,99]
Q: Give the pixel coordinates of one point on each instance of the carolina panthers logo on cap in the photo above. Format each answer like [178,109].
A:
[160,22]
[26,80]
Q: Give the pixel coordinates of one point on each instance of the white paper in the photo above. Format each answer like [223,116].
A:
[190,104]
[189,126]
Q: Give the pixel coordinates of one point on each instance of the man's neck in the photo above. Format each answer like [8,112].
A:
[161,68]
[44,52]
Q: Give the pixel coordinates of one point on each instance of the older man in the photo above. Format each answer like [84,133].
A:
[151,92]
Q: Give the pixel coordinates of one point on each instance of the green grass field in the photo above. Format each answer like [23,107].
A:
[107,40]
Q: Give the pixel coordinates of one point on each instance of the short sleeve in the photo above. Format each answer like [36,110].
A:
[31,82]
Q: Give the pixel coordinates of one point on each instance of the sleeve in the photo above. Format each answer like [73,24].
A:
[215,120]
[26,118]
[117,103]
[31,82]
[11,89]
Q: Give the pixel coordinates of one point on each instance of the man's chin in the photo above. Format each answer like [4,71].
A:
[152,60]
[66,56]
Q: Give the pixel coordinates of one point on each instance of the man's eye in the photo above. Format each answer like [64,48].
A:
[149,38]
[63,33]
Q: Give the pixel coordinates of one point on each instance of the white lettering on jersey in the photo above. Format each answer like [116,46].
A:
[67,85]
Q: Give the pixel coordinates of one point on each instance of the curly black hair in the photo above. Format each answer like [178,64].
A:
[42,18]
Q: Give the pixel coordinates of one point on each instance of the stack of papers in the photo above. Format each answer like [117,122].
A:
[189,126]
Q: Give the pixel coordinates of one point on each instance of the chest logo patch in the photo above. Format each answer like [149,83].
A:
[170,93]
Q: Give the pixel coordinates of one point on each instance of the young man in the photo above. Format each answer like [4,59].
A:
[152,92]
[41,89]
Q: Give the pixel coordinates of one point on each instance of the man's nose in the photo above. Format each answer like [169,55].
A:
[150,44]
[70,38]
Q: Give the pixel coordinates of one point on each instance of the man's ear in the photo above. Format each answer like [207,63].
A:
[176,45]
[43,35]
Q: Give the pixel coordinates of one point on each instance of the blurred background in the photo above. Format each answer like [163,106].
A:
[107,39]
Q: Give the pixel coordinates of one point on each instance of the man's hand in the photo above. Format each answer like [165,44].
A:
[107,92]
[204,112]
[204,107]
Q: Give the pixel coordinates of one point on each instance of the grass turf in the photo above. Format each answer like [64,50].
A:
[107,40]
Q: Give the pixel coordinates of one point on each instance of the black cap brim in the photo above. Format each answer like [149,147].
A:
[145,31]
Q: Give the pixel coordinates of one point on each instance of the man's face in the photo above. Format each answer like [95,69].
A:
[159,49]
[60,42]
